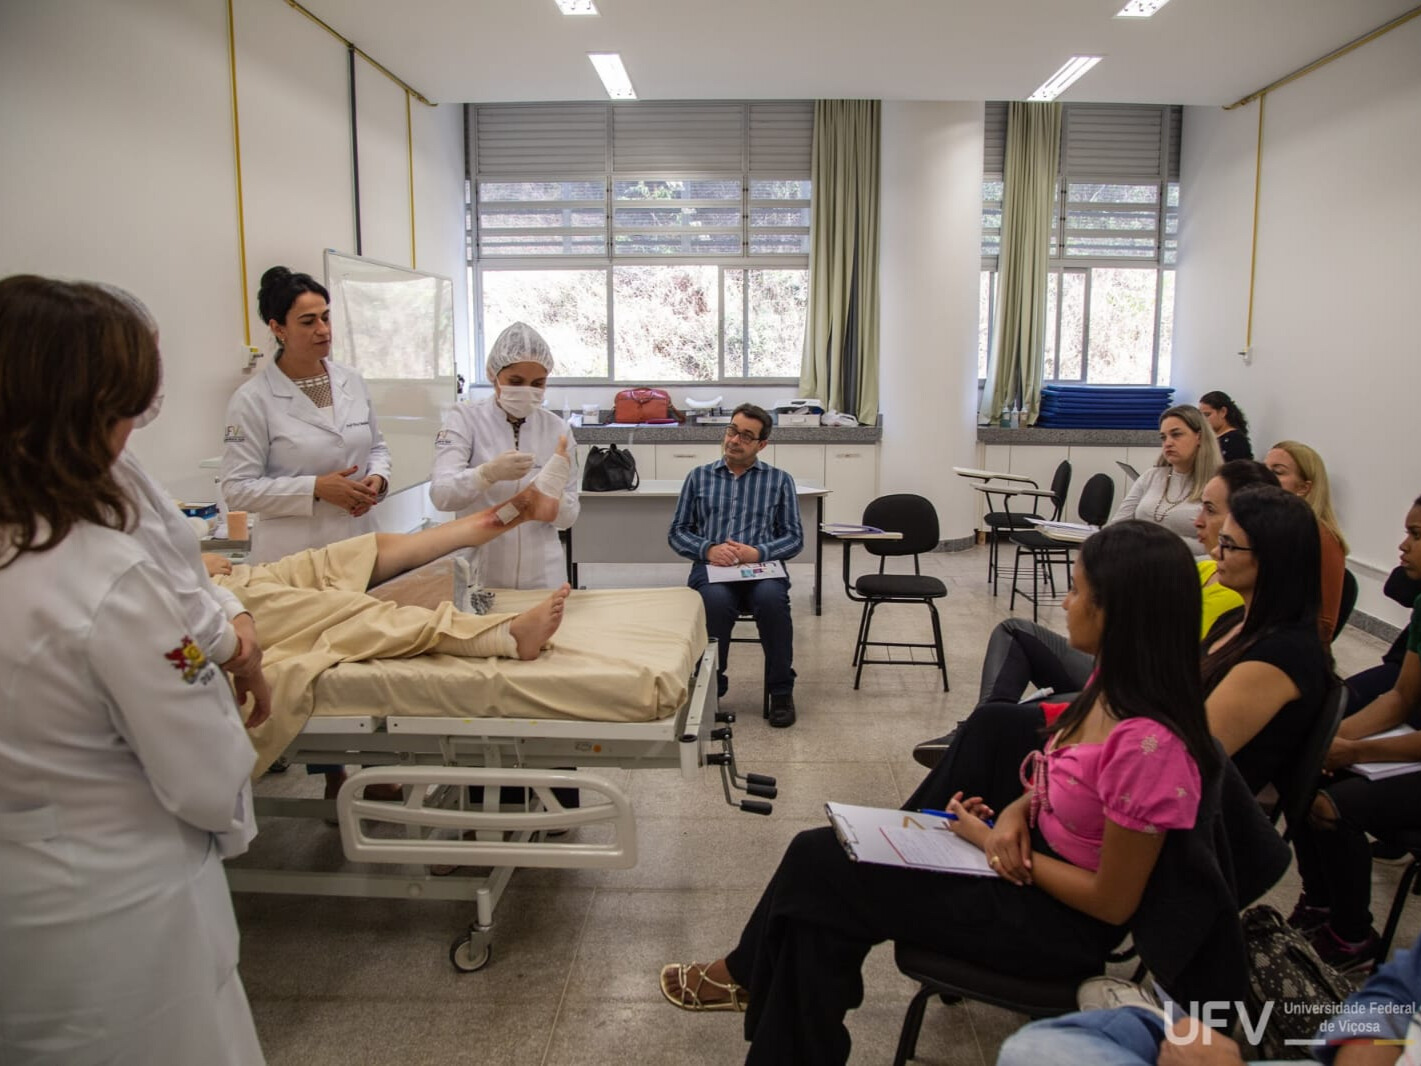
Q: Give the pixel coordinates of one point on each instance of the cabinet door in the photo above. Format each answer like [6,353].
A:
[851,475]
[645,456]
[803,462]
[675,461]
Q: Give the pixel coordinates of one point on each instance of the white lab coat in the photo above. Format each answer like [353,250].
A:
[277,443]
[165,535]
[122,758]
[531,555]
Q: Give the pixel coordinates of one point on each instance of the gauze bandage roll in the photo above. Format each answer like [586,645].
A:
[552,479]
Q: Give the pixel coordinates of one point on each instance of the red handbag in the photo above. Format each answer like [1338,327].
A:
[645,405]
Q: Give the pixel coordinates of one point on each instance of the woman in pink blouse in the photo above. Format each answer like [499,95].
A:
[1074,850]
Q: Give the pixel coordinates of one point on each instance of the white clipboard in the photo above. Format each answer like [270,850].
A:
[907,839]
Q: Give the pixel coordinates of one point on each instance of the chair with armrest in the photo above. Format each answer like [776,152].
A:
[1348,601]
[1296,792]
[1210,872]
[1001,520]
[915,518]
[1045,551]
[1408,885]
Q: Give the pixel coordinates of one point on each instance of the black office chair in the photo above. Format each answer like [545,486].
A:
[1408,885]
[1296,793]
[914,517]
[1093,508]
[1006,521]
[1349,600]
[1186,857]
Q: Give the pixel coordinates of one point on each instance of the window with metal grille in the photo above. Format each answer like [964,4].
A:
[1114,240]
[648,242]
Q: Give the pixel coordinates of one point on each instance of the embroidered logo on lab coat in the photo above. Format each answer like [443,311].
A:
[442,437]
[234,435]
[188,658]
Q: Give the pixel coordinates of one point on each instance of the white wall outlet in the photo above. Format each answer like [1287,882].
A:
[251,354]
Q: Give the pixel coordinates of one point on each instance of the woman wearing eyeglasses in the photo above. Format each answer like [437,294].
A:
[1265,670]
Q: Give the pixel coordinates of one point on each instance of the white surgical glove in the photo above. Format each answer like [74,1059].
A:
[510,466]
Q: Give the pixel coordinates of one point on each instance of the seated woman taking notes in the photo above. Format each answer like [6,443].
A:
[1075,850]
[1334,855]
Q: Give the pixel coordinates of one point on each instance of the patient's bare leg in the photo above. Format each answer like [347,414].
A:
[536,626]
[398,552]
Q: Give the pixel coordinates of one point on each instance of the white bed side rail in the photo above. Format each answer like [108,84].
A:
[502,838]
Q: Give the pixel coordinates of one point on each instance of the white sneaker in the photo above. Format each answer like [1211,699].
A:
[1107,993]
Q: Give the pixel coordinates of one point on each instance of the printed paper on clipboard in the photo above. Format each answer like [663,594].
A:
[890,837]
[745,572]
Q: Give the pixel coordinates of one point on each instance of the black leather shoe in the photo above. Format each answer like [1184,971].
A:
[782,710]
[930,752]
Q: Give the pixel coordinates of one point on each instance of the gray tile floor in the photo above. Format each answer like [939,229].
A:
[576,953]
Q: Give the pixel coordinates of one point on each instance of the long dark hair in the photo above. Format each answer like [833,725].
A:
[1146,585]
[75,359]
[1240,474]
[280,288]
[1282,534]
[1222,401]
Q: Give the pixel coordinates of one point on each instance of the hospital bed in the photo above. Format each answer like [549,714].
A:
[628,683]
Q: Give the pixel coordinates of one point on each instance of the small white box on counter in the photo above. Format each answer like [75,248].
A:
[785,418]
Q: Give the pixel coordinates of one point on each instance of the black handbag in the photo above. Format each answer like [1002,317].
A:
[609,469]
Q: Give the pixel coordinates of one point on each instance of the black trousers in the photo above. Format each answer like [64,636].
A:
[802,950]
[1336,864]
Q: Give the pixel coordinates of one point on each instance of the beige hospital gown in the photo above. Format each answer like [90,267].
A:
[312,611]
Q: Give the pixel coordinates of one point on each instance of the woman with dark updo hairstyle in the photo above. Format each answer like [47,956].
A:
[123,761]
[302,449]
[1227,421]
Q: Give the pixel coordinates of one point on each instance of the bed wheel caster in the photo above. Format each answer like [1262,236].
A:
[465,959]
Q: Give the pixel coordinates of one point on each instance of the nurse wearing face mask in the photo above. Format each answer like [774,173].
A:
[489,449]
[302,447]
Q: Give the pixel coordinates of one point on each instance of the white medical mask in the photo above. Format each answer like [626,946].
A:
[148,416]
[518,401]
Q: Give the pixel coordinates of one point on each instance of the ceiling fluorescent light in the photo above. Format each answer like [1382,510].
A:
[1064,78]
[613,75]
[577,7]
[1140,9]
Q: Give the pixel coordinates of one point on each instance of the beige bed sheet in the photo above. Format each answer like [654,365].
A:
[621,655]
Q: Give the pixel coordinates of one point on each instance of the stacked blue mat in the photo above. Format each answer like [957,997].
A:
[1103,406]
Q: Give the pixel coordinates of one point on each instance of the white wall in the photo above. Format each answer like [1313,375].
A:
[930,258]
[1335,337]
[122,169]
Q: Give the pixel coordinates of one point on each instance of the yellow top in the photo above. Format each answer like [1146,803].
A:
[1218,600]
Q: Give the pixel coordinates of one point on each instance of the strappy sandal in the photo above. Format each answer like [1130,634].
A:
[689,998]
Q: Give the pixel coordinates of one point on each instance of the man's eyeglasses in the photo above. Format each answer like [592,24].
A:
[1226,544]
[743,436]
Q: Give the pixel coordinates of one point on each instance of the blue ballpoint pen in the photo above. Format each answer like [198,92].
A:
[950,816]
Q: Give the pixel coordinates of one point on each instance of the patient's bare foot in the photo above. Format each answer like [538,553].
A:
[536,626]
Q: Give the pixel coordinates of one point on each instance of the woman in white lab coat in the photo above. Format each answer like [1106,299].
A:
[302,448]
[490,449]
[122,757]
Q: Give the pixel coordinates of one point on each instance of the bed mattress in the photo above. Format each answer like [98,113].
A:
[621,655]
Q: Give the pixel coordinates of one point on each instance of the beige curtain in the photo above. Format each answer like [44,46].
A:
[841,335]
[1015,368]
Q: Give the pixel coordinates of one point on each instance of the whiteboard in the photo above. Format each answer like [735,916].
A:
[396,326]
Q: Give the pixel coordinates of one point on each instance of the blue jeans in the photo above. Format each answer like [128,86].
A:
[768,601]
[1126,1036]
